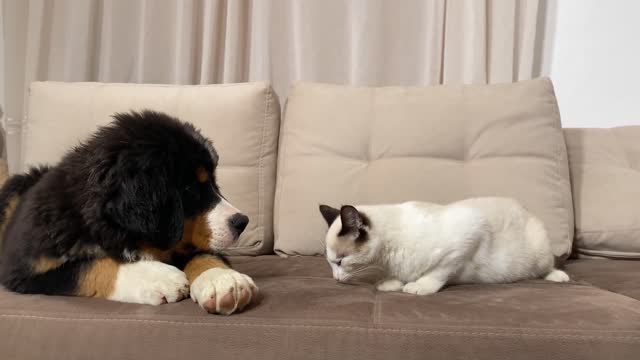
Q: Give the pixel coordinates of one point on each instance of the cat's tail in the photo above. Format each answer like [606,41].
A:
[557,276]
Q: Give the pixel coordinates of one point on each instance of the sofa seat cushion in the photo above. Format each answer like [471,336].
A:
[304,313]
[619,276]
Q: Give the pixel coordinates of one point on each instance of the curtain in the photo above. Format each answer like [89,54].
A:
[362,42]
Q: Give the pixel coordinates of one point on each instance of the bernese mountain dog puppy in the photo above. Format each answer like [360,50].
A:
[133,214]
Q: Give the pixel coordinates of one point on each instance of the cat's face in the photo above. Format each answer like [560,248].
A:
[349,248]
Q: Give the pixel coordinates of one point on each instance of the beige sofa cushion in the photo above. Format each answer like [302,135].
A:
[342,144]
[241,119]
[605,175]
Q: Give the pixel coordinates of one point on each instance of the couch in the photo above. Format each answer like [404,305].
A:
[342,144]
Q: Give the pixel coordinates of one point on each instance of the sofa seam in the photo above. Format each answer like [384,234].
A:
[607,231]
[280,165]
[261,201]
[376,310]
[617,255]
[332,327]
[568,203]
[327,323]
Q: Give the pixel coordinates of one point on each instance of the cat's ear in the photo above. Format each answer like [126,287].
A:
[329,214]
[352,220]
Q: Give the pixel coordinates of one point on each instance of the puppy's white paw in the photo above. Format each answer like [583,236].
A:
[223,291]
[150,282]
[390,285]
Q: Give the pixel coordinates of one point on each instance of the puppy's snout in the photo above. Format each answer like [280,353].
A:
[238,222]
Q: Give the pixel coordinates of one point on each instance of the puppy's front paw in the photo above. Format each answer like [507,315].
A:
[150,282]
[223,291]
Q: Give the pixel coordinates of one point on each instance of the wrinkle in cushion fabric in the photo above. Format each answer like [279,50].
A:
[343,144]
[242,120]
[605,176]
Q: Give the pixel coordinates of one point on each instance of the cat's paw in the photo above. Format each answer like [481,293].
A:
[423,287]
[557,276]
[390,285]
[418,289]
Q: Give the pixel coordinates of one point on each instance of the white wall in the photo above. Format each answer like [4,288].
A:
[594,61]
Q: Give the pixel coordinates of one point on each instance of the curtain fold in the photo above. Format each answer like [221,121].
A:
[363,42]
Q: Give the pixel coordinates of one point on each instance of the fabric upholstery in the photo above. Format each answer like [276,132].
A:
[304,313]
[205,42]
[618,276]
[241,119]
[3,171]
[342,144]
[605,176]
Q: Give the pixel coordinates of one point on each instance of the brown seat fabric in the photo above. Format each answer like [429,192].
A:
[619,276]
[304,314]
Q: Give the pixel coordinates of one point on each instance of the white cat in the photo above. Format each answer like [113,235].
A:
[419,247]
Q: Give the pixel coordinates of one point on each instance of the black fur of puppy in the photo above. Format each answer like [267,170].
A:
[142,189]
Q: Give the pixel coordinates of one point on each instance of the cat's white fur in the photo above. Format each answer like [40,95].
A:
[419,247]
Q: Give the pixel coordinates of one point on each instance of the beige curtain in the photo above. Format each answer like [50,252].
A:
[364,42]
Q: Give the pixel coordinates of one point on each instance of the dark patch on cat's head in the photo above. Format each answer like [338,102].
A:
[329,214]
[354,222]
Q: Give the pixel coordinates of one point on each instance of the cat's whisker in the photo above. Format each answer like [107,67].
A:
[360,270]
[363,273]
[365,268]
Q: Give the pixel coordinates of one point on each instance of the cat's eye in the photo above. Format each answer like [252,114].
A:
[339,262]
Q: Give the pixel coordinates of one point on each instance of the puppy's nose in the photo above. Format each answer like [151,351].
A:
[238,222]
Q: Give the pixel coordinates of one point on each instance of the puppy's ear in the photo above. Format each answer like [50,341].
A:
[329,214]
[352,220]
[145,203]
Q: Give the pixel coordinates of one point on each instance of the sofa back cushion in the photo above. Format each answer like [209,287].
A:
[605,175]
[362,145]
[241,119]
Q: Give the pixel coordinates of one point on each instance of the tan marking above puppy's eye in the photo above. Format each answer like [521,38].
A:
[202,175]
